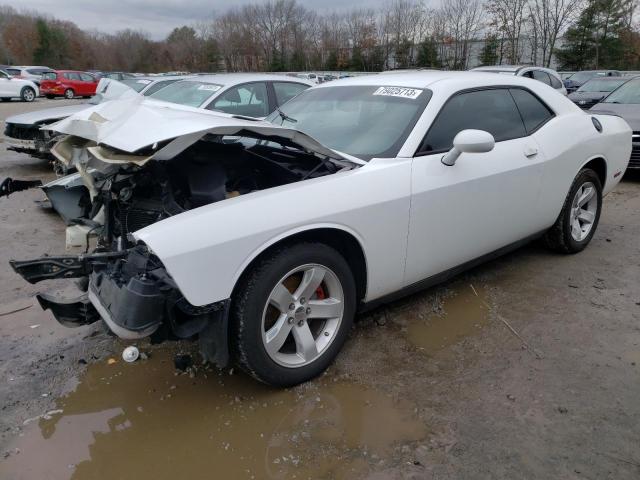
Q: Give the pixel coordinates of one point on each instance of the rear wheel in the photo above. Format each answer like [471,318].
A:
[292,313]
[69,94]
[28,94]
[580,214]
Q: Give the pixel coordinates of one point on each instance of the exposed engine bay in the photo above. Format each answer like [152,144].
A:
[117,193]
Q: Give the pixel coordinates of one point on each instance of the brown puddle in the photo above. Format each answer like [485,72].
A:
[141,421]
[464,313]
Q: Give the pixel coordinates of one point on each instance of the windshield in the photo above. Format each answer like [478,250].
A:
[363,121]
[137,85]
[582,77]
[627,93]
[600,85]
[189,93]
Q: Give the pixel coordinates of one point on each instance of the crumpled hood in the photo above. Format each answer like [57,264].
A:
[54,113]
[132,124]
[630,112]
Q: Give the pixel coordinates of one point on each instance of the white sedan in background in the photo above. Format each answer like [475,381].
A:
[263,238]
[13,87]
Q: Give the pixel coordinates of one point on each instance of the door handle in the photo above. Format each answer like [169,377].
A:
[530,151]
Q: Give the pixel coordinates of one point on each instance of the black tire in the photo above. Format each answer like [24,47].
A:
[28,94]
[559,237]
[5,99]
[69,94]
[249,301]
[50,97]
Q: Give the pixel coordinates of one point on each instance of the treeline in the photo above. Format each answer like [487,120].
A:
[282,35]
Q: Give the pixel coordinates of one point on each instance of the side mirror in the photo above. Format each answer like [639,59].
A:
[469,141]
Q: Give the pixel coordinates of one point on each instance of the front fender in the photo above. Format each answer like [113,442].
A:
[205,250]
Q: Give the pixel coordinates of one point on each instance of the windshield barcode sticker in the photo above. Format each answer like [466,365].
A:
[209,88]
[403,92]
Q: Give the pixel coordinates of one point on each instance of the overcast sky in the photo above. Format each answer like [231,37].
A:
[156,17]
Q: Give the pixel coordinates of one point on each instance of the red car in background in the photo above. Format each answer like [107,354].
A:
[68,84]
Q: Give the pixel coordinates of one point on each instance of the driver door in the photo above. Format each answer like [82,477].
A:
[485,201]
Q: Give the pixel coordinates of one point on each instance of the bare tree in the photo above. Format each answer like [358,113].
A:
[508,17]
[549,19]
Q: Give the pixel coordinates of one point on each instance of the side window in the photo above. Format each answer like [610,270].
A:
[285,91]
[541,76]
[86,77]
[249,100]
[491,110]
[14,72]
[555,83]
[157,86]
[67,75]
[533,111]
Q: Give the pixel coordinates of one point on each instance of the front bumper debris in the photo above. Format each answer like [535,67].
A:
[70,312]
[9,186]
[134,295]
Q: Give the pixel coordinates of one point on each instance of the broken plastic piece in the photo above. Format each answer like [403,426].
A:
[130,354]
[9,186]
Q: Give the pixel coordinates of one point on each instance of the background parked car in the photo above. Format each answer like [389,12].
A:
[544,75]
[117,75]
[246,94]
[595,90]
[31,72]
[149,85]
[578,79]
[12,87]
[68,84]
[625,102]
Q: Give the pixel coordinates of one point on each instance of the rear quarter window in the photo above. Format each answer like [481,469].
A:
[534,112]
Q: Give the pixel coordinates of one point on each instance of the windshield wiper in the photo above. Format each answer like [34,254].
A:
[286,117]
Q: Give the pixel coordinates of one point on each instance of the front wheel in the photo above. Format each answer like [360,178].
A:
[580,214]
[292,313]
[69,94]
[28,94]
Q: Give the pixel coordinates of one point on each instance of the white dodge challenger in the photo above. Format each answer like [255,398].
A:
[263,239]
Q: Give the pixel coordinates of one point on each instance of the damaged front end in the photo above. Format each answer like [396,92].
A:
[141,176]
[135,296]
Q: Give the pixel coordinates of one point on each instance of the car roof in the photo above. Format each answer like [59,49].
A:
[233,78]
[502,68]
[162,78]
[426,78]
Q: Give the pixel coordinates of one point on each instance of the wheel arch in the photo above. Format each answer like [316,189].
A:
[342,239]
[598,164]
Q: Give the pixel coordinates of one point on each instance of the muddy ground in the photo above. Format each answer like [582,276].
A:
[434,386]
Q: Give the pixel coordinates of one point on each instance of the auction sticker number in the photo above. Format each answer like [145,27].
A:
[209,88]
[403,92]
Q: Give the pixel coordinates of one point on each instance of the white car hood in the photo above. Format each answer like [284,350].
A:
[135,123]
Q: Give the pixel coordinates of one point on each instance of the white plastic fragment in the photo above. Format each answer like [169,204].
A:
[130,354]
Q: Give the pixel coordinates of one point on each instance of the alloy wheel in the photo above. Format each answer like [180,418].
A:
[583,211]
[302,315]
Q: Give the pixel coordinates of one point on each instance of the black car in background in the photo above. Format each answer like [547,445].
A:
[625,102]
[578,79]
[594,90]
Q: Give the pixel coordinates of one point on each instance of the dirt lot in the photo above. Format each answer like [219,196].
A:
[434,386]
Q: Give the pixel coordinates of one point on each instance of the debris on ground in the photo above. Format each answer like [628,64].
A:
[182,361]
